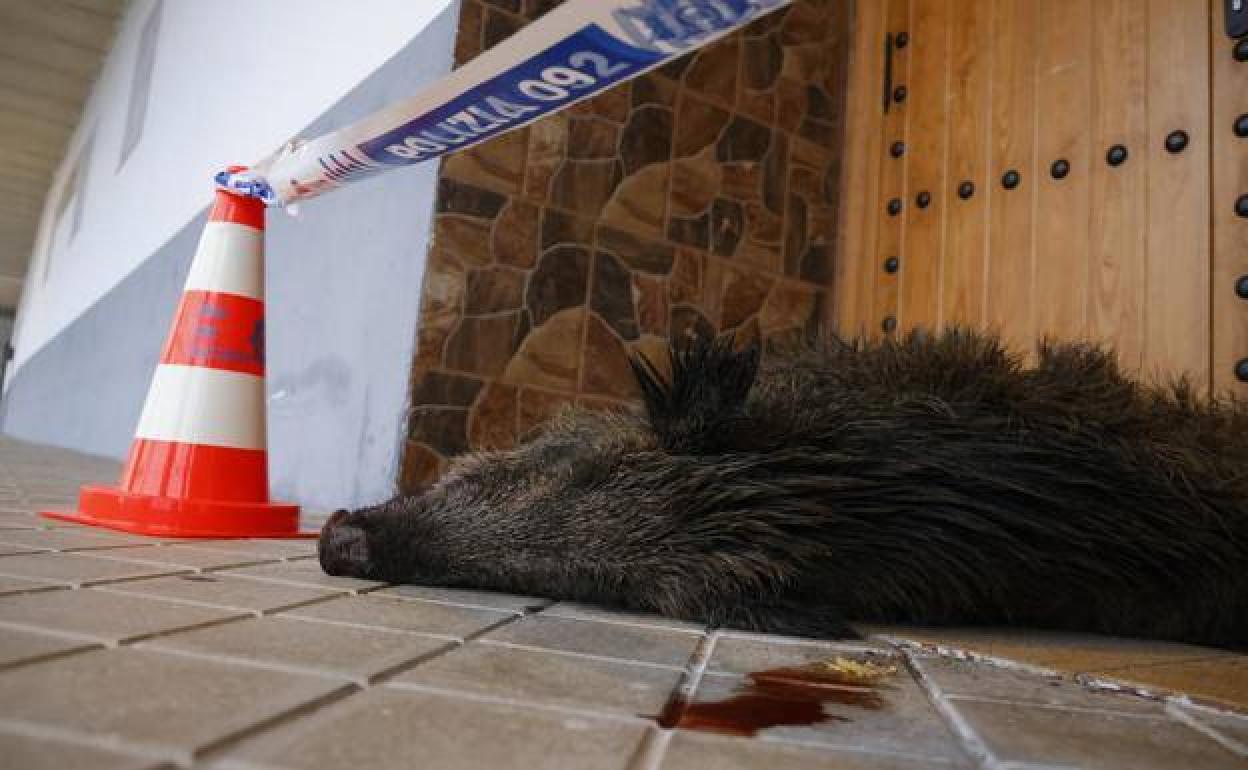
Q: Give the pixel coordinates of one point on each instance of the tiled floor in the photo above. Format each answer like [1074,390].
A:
[124,652]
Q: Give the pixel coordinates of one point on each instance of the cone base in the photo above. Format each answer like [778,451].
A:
[166,516]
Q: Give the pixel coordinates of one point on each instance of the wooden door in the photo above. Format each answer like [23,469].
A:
[1046,167]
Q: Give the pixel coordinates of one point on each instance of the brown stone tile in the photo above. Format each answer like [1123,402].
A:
[687,321]
[187,704]
[713,72]
[455,197]
[493,421]
[697,751]
[611,640]
[435,388]
[466,598]
[494,290]
[40,753]
[1050,736]
[592,138]
[19,646]
[612,104]
[1223,679]
[76,568]
[445,429]
[639,253]
[545,678]
[609,374]
[647,138]
[421,466]
[727,226]
[699,125]
[220,591]
[547,147]
[968,679]
[484,345]
[585,186]
[743,296]
[496,165]
[442,295]
[651,294]
[394,614]
[101,616]
[357,653]
[639,202]
[466,238]
[654,89]
[386,728]
[686,279]
[305,572]
[611,295]
[788,306]
[538,406]
[515,234]
[550,356]
[695,182]
[468,38]
[561,228]
[560,281]
[764,61]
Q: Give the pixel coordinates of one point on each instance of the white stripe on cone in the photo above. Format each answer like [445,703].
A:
[230,260]
[196,405]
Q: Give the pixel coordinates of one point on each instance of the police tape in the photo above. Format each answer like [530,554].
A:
[572,53]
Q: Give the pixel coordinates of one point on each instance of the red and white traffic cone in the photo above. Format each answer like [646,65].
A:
[198,466]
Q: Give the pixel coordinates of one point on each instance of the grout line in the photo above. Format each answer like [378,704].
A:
[968,740]
[47,656]
[1226,741]
[654,744]
[583,655]
[366,627]
[582,712]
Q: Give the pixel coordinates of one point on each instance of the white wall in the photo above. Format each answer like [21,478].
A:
[232,80]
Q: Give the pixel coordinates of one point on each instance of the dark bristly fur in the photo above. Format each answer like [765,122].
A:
[934,479]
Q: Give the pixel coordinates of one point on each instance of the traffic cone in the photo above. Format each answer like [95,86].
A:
[198,466]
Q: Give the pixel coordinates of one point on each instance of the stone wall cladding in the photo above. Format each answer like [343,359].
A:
[700,198]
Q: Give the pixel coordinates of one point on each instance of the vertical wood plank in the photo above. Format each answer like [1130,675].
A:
[892,176]
[928,133]
[1011,261]
[860,178]
[1230,232]
[1117,288]
[1062,205]
[965,251]
[1177,335]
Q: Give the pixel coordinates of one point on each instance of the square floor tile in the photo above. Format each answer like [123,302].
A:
[548,678]
[740,654]
[306,572]
[15,585]
[10,520]
[103,616]
[171,704]
[218,591]
[349,652]
[31,753]
[77,568]
[959,678]
[450,621]
[1092,741]
[282,549]
[580,611]
[611,640]
[894,717]
[386,728]
[693,751]
[18,646]
[186,556]
[466,597]
[70,539]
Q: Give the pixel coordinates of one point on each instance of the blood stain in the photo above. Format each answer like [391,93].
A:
[778,697]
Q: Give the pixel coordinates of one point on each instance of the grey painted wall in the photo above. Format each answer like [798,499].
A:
[343,289]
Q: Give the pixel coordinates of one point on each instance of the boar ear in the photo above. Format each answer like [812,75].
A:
[709,383]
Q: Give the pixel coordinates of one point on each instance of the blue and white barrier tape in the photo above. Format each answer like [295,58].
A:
[576,51]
